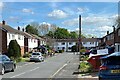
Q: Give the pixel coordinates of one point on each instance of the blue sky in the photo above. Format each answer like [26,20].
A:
[97,17]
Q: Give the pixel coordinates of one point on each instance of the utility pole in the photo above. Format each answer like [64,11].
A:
[79,43]
[114,35]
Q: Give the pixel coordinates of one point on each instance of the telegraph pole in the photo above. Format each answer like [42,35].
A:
[79,43]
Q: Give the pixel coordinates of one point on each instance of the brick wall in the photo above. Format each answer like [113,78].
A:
[0,41]
[4,42]
[22,50]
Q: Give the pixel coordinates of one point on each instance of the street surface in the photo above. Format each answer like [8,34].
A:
[59,66]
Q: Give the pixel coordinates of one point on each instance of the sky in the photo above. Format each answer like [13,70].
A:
[97,17]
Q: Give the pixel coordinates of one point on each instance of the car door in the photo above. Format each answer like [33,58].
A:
[7,63]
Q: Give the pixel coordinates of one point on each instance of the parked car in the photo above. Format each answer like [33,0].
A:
[91,51]
[110,67]
[6,64]
[36,56]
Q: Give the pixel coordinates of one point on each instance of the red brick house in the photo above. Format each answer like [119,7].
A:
[112,38]
[3,40]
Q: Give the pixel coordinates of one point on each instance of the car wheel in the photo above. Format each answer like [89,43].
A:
[3,71]
[100,78]
[13,68]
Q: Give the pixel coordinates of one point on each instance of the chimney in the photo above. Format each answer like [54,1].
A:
[3,22]
[107,32]
[18,28]
[23,29]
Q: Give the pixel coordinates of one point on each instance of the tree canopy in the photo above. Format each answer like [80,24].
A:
[32,30]
[62,33]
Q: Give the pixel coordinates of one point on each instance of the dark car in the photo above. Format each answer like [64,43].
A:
[110,68]
[92,51]
[6,64]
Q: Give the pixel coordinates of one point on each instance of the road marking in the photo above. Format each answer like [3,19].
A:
[58,70]
[24,73]
[25,64]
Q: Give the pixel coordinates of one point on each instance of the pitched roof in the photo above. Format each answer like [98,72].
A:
[11,30]
[76,40]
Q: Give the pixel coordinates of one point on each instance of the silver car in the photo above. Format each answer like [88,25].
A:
[36,56]
[6,64]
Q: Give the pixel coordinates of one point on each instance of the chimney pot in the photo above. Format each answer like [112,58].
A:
[18,28]
[3,22]
[23,29]
[107,32]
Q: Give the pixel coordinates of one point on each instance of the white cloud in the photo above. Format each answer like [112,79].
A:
[104,28]
[58,14]
[1,6]
[72,22]
[27,10]
[45,23]
[82,10]
[13,19]
[92,20]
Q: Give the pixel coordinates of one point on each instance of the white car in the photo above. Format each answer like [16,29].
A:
[36,56]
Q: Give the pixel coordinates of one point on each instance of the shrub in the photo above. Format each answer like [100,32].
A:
[14,50]
[26,55]
[85,67]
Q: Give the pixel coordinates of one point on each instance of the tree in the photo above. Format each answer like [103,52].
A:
[50,34]
[61,33]
[73,35]
[32,30]
[14,50]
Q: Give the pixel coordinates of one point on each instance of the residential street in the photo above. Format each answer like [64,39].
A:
[52,67]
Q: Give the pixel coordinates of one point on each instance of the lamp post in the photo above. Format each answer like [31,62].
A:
[114,35]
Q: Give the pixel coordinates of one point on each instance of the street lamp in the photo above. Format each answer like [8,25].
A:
[114,35]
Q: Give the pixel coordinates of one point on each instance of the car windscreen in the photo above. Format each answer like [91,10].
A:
[35,53]
[114,60]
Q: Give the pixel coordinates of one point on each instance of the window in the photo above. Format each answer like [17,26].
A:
[63,48]
[19,37]
[9,36]
[119,32]
[34,41]
[70,43]
[13,36]
[63,43]
[84,43]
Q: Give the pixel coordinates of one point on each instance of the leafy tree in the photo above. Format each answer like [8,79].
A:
[50,34]
[61,33]
[73,35]
[32,30]
[14,50]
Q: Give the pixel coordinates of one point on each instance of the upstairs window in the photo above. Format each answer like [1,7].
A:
[63,43]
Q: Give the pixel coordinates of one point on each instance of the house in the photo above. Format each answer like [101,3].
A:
[112,38]
[66,44]
[3,38]
[13,34]
[90,42]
